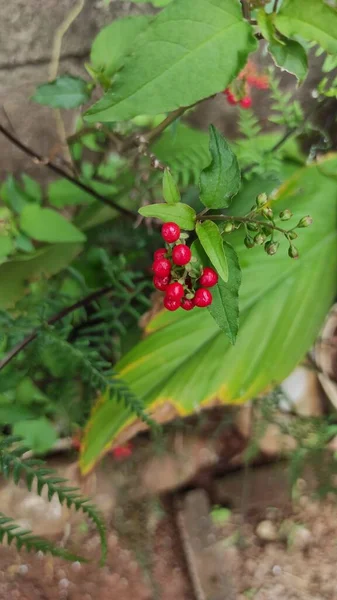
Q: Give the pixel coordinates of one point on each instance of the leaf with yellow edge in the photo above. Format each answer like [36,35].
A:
[188,362]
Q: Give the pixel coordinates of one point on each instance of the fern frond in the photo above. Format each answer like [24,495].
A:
[32,470]
[185,151]
[95,371]
[27,540]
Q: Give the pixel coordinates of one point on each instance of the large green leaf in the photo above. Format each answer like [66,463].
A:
[191,50]
[312,20]
[282,303]
[16,274]
[221,180]
[64,92]
[114,42]
[46,225]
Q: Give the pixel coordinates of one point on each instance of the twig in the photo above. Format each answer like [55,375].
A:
[38,159]
[245,9]
[60,315]
[53,70]
[275,7]
[243,220]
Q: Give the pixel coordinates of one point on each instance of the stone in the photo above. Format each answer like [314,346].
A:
[266,531]
[302,538]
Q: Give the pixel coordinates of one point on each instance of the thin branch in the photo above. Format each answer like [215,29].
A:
[60,315]
[245,9]
[56,169]
[275,7]
[243,220]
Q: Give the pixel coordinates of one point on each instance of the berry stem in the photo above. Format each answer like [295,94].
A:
[242,220]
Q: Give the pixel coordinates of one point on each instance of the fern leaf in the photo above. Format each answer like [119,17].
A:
[32,470]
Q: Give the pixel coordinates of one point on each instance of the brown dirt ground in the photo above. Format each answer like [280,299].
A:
[277,570]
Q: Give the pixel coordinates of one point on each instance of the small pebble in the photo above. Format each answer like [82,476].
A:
[266,531]
[23,569]
[64,583]
[276,570]
[76,566]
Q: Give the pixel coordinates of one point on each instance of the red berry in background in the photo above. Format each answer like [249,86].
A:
[246,102]
[226,91]
[181,254]
[161,283]
[170,232]
[160,253]
[202,298]
[171,303]
[187,304]
[121,452]
[162,267]
[209,277]
[231,98]
[175,290]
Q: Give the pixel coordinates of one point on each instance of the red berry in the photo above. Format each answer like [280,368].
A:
[171,303]
[246,102]
[226,91]
[161,283]
[181,254]
[187,304]
[121,452]
[209,277]
[203,298]
[231,98]
[160,253]
[175,290]
[161,267]
[170,232]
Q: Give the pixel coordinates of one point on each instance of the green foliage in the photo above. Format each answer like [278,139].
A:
[64,92]
[195,31]
[221,180]
[182,214]
[314,21]
[212,242]
[12,465]
[276,297]
[113,44]
[185,151]
[290,56]
[37,434]
[46,225]
[171,192]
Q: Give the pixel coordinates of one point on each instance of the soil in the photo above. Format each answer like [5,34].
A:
[297,561]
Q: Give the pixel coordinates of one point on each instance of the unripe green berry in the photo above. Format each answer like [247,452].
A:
[305,221]
[293,252]
[228,227]
[285,215]
[266,229]
[260,239]
[249,242]
[268,213]
[292,235]
[261,200]
[271,247]
[252,226]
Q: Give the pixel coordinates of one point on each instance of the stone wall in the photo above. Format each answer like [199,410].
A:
[27,30]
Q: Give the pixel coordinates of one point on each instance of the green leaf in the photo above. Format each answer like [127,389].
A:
[16,274]
[37,434]
[212,242]
[64,193]
[278,323]
[156,3]
[170,189]
[191,50]
[13,195]
[46,225]
[32,188]
[221,180]
[312,20]
[114,42]
[64,92]
[290,56]
[6,246]
[182,214]
[225,306]
[23,243]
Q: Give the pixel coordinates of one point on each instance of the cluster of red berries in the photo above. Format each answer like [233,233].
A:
[174,274]
[239,91]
